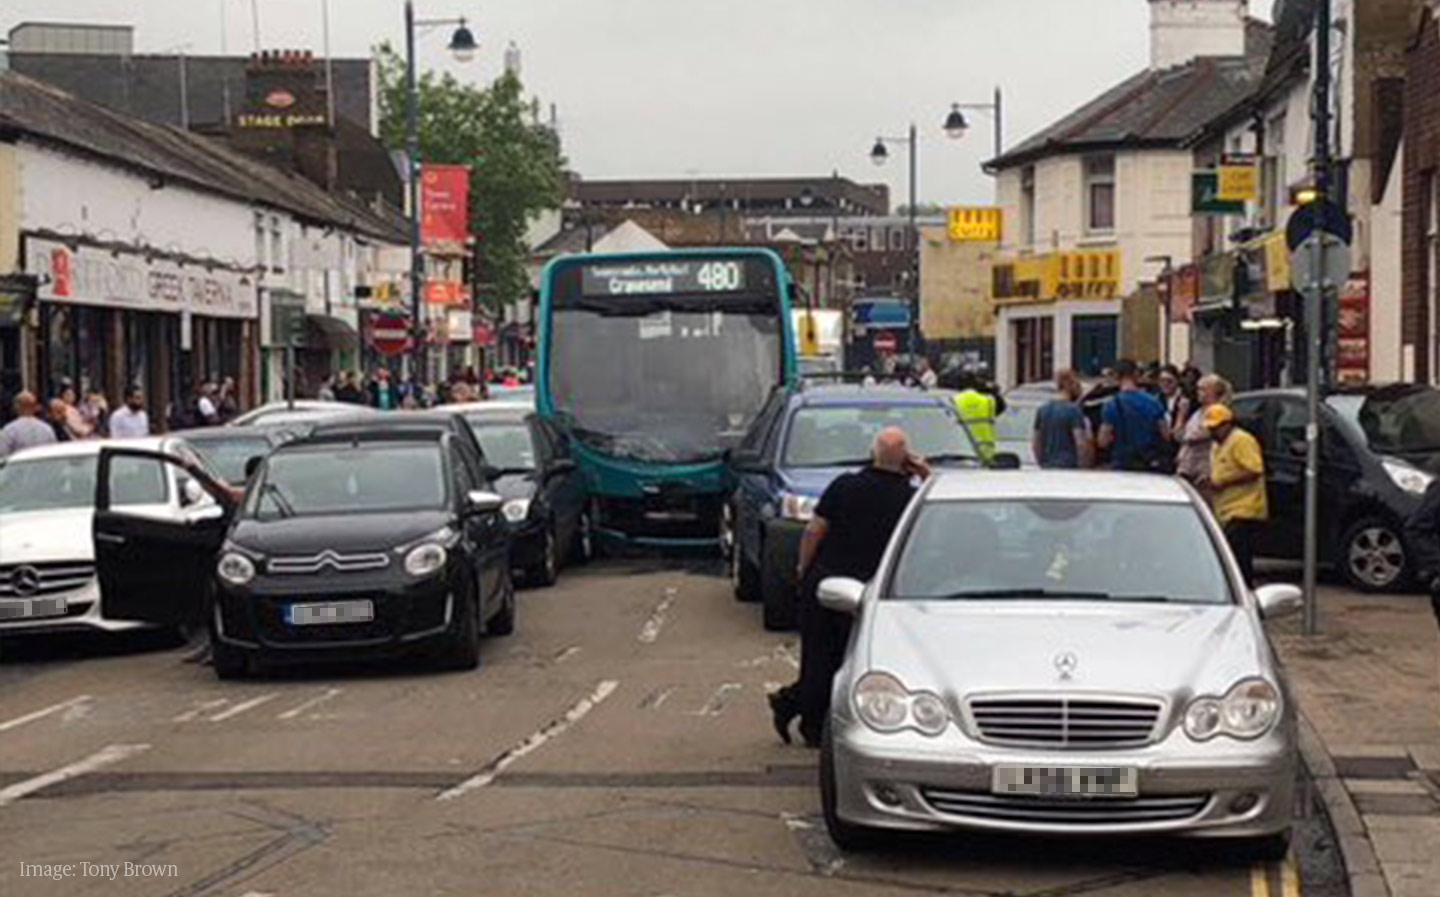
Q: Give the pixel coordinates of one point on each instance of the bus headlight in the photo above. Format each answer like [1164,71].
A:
[797,507]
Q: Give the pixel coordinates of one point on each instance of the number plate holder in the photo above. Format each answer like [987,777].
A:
[1067,782]
[330,613]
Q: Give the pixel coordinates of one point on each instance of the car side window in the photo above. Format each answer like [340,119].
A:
[469,462]
[1250,414]
[466,478]
[1290,424]
[755,439]
[137,481]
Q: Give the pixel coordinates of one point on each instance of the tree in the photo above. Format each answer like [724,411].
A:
[516,167]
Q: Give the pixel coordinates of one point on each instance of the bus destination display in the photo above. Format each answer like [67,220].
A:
[659,278]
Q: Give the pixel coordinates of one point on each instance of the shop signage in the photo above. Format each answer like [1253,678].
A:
[447,293]
[444,204]
[460,325]
[1352,348]
[279,120]
[1061,275]
[88,275]
[1277,264]
[1206,198]
[1238,183]
[1184,293]
[971,224]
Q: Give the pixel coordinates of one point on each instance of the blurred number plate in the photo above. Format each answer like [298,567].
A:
[25,608]
[1067,781]
[330,613]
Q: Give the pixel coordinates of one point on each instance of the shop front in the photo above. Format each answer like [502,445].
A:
[17,294]
[1053,311]
[1245,321]
[109,316]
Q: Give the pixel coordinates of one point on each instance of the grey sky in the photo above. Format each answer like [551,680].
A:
[654,88]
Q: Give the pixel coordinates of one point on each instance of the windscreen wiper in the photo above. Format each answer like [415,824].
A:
[282,504]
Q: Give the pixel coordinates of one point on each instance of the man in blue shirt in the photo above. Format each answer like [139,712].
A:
[1061,440]
[1134,425]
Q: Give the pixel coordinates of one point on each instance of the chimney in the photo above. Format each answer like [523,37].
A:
[1183,30]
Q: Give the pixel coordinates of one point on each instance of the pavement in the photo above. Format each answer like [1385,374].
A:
[617,745]
[1368,687]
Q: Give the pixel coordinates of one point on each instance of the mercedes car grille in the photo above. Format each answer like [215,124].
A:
[29,580]
[329,560]
[1065,722]
[1076,812]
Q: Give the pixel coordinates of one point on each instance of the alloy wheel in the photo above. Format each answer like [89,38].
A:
[1376,556]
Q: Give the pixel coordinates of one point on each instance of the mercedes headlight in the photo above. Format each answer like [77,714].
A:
[235,569]
[1407,477]
[1247,711]
[798,507]
[425,560]
[516,509]
[886,705]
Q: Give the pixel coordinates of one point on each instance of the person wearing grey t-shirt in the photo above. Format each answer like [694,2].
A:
[26,430]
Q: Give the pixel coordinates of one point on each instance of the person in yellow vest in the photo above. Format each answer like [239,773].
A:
[978,407]
[1237,482]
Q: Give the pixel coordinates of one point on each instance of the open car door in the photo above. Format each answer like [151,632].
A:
[156,568]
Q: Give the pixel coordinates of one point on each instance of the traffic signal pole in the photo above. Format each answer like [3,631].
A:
[1315,317]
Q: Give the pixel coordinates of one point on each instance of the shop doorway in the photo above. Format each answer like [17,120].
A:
[1094,343]
[1034,341]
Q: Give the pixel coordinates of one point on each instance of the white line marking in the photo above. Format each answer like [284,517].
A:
[19,721]
[104,757]
[567,654]
[656,698]
[300,708]
[257,894]
[572,716]
[716,705]
[651,630]
[198,709]
[243,706]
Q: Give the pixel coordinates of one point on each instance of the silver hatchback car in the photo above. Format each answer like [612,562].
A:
[1060,654]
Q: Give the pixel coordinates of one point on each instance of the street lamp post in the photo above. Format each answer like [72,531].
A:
[463,46]
[879,154]
[957,126]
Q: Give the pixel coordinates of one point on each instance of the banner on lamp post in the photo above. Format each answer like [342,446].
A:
[444,204]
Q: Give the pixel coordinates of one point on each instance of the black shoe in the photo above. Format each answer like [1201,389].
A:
[811,734]
[783,712]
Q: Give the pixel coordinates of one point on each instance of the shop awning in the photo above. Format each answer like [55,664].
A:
[332,332]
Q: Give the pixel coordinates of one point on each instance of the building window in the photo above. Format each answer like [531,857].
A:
[897,239]
[878,240]
[1276,183]
[276,248]
[1027,204]
[260,241]
[1432,270]
[1100,194]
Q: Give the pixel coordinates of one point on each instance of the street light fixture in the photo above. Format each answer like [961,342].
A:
[879,153]
[957,126]
[463,46]
[955,123]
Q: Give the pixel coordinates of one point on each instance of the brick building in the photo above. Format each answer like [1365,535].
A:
[1420,303]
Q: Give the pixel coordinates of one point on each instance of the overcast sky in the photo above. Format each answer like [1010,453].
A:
[677,88]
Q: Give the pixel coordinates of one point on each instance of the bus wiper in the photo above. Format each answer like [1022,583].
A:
[282,504]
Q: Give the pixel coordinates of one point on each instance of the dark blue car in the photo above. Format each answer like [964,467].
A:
[802,440]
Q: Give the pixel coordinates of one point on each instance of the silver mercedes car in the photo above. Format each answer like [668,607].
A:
[1060,654]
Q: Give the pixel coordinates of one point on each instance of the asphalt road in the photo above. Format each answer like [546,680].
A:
[617,744]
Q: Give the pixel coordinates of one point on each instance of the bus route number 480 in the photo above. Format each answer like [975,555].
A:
[721,277]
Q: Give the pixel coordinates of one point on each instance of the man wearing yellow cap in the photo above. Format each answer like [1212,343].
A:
[1237,482]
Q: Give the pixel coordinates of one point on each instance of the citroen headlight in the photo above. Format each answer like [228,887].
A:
[886,705]
[1247,711]
[1406,477]
[798,507]
[235,569]
[425,560]
[516,509]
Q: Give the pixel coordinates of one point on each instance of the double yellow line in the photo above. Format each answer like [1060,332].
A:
[1275,879]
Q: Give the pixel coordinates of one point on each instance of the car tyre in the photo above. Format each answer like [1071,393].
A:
[1372,555]
[744,576]
[461,650]
[777,593]
[848,837]
[503,623]
[230,663]
[1269,849]
[547,571]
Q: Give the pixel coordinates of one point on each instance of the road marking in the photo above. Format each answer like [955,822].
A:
[716,705]
[256,894]
[572,716]
[200,708]
[104,757]
[1260,880]
[300,708]
[19,721]
[654,699]
[651,630]
[1290,878]
[567,654]
[243,706]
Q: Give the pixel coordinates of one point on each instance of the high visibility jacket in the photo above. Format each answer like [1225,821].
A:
[977,410]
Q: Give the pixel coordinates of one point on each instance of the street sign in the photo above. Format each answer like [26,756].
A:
[1205,196]
[1322,215]
[1336,262]
[886,343]
[1238,183]
[390,335]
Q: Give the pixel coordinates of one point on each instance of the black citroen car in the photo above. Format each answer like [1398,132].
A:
[359,540]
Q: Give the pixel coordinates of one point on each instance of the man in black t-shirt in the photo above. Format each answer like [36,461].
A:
[847,536]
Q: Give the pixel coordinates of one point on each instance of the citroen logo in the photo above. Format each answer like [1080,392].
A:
[1066,663]
[25,581]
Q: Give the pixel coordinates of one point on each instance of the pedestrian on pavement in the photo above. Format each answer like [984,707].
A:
[383,393]
[925,374]
[130,420]
[1178,406]
[1237,480]
[56,418]
[207,412]
[27,430]
[846,537]
[228,402]
[69,417]
[1061,440]
[1192,461]
[979,404]
[326,392]
[95,412]
[1133,425]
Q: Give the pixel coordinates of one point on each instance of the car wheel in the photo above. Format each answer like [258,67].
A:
[547,571]
[1372,555]
[848,837]
[1269,849]
[229,662]
[503,623]
[777,593]
[744,577]
[461,649]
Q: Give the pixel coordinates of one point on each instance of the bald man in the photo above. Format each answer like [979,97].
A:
[846,537]
[26,430]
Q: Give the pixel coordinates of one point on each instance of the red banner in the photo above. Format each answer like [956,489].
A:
[1353,346]
[444,203]
[447,292]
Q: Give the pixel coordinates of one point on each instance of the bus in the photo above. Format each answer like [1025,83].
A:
[652,366]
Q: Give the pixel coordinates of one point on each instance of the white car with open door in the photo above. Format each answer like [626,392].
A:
[47,502]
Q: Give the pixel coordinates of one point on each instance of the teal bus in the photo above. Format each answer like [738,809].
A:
[651,366]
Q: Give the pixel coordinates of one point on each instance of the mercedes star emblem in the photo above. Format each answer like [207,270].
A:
[1066,663]
[25,581]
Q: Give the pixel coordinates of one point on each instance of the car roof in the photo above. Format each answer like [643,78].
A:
[224,434]
[85,447]
[983,485]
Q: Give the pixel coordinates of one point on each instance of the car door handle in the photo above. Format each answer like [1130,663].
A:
[110,537]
